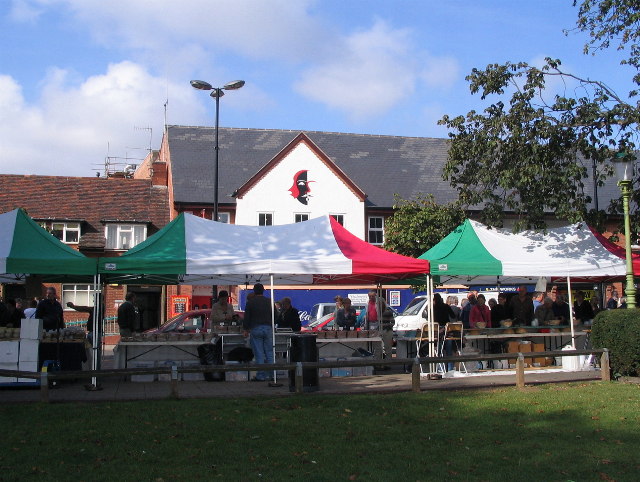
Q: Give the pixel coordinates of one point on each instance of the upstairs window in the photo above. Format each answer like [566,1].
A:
[265,219]
[298,218]
[376,230]
[339,218]
[124,236]
[66,232]
[224,218]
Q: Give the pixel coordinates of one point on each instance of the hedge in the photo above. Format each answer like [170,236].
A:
[619,331]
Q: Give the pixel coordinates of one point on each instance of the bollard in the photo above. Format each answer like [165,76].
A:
[415,375]
[44,387]
[299,379]
[604,366]
[520,371]
[174,381]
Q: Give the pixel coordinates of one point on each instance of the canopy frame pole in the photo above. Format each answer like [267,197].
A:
[273,328]
[433,348]
[573,333]
[97,329]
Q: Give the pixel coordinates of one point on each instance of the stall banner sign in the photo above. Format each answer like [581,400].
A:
[359,298]
[394,298]
[180,304]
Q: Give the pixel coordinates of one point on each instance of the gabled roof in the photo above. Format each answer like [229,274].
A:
[301,138]
[89,199]
[379,165]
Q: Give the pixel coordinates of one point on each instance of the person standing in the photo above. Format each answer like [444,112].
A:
[480,312]
[128,315]
[31,311]
[373,312]
[258,322]
[221,310]
[346,317]
[288,316]
[50,311]
[521,307]
[612,303]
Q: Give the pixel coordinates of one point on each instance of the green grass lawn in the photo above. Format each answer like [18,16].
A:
[553,432]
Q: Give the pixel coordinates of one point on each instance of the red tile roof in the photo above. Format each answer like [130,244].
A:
[91,199]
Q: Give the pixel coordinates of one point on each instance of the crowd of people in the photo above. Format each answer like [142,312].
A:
[48,309]
[523,308]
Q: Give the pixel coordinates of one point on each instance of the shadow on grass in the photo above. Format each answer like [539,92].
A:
[559,432]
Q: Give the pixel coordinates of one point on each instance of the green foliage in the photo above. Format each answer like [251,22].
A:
[619,331]
[612,21]
[420,223]
[531,150]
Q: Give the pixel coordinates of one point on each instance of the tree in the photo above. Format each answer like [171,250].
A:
[532,154]
[419,224]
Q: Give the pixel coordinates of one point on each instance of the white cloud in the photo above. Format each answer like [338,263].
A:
[373,71]
[68,129]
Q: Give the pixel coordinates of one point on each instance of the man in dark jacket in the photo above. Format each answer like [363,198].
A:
[258,321]
[128,315]
[50,311]
[288,316]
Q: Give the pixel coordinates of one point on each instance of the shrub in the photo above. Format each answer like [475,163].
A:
[619,331]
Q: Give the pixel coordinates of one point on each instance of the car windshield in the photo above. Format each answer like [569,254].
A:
[184,323]
[414,307]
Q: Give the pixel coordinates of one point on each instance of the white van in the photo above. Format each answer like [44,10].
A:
[415,314]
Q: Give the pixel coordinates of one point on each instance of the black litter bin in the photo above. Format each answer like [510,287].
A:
[304,349]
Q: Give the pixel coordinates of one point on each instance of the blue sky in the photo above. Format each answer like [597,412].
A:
[84,79]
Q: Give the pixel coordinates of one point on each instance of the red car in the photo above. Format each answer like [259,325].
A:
[190,322]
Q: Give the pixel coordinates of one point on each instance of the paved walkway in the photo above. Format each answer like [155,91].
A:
[113,389]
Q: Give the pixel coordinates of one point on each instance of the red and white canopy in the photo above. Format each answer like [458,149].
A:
[193,250]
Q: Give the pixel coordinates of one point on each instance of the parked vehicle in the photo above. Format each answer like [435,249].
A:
[415,314]
[322,316]
[189,322]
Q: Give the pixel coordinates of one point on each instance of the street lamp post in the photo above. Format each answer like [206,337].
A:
[624,169]
[216,93]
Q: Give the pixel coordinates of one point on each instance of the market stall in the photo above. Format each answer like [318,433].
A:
[193,250]
[27,249]
[476,254]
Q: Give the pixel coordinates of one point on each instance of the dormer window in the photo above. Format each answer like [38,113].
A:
[124,236]
[68,233]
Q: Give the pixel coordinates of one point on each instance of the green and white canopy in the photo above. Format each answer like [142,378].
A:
[473,253]
[26,248]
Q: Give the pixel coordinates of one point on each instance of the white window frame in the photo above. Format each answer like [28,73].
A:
[71,292]
[338,217]
[224,218]
[371,230]
[124,228]
[67,227]
[300,217]
[265,214]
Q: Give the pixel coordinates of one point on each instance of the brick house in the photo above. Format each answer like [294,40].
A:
[97,216]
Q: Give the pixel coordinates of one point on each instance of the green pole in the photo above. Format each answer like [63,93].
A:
[630,289]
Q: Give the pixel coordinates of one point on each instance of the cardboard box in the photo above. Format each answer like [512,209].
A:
[31,329]
[8,366]
[526,348]
[9,351]
[28,350]
[28,366]
[513,346]
[142,364]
